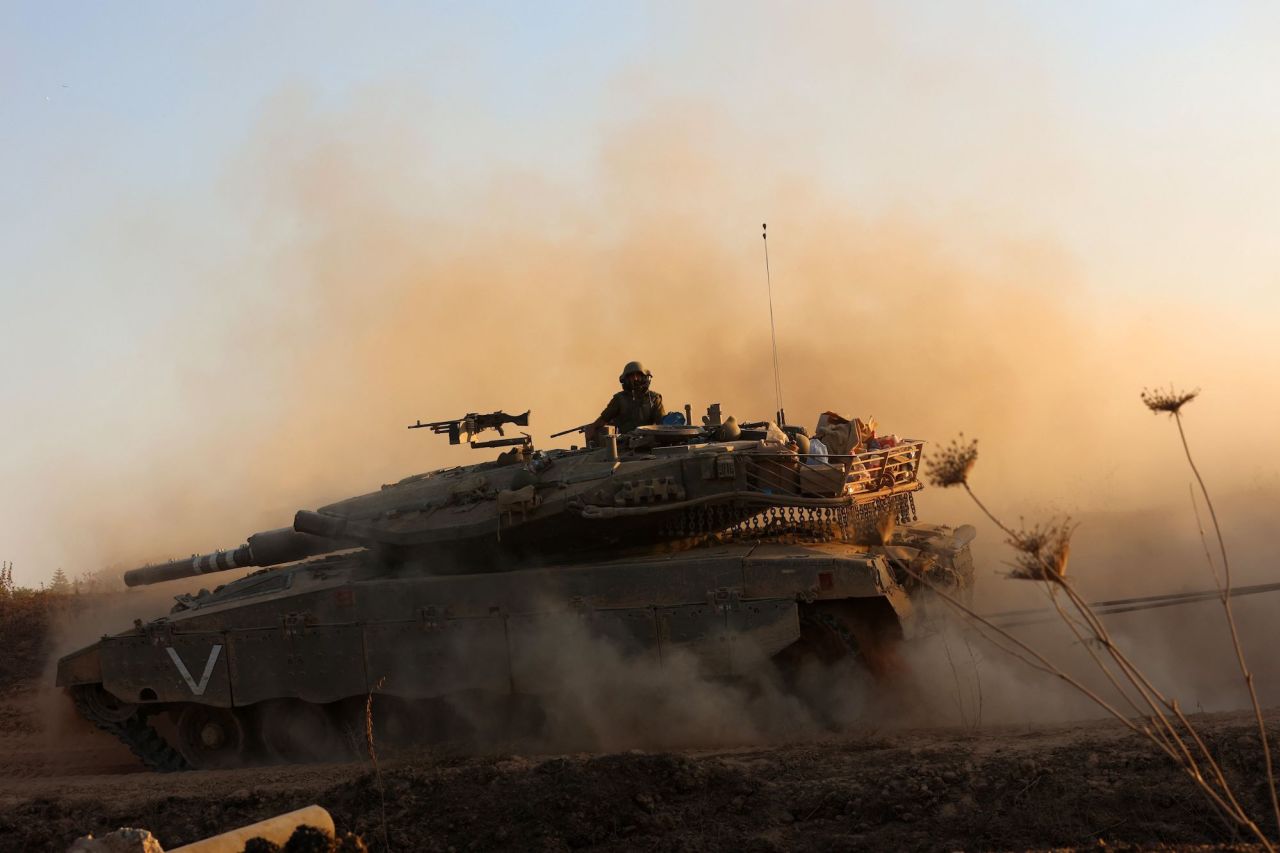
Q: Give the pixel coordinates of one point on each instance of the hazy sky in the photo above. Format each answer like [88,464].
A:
[155,289]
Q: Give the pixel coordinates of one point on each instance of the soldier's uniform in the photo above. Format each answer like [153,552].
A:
[627,411]
[634,406]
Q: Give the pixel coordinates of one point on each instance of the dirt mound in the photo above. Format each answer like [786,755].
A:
[1011,789]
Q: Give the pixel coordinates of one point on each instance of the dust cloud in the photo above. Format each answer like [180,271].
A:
[373,296]
[592,694]
[374,290]
[80,625]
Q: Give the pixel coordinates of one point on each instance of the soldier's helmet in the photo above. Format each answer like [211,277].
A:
[634,377]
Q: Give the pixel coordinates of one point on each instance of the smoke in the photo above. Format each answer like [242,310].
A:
[365,289]
[589,693]
[73,627]
[958,678]
[383,301]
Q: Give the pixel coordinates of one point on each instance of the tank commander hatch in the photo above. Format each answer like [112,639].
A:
[635,405]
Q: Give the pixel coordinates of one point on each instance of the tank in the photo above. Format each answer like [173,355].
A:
[721,541]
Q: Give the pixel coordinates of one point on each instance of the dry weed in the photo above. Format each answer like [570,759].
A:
[373,757]
[1171,402]
[1042,552]
[1167,402]
[951,466]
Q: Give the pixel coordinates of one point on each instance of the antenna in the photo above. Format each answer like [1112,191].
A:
[773,332]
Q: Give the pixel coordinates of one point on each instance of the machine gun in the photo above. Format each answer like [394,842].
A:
[471,424]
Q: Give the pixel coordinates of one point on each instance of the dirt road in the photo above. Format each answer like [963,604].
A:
[1008,788]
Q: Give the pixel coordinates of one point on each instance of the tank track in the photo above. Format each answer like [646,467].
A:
[837,627]
[142,740]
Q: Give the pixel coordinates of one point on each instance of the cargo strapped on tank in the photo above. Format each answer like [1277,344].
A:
[890,469]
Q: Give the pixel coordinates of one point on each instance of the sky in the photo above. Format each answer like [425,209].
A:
[242,245]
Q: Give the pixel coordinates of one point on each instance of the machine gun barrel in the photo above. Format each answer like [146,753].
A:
[581,428]
[268,548]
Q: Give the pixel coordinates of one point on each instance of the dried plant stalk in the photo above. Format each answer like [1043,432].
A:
[373,756]
[1171,403]
[1042,552]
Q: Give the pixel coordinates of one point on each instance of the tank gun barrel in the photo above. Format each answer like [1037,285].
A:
[268,548]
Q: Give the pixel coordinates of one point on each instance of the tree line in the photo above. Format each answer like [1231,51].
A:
[59,584]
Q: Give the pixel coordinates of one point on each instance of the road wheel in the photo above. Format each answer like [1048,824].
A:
[297,732]
[211,738]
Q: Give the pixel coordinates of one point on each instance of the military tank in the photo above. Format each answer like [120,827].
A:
[728,542]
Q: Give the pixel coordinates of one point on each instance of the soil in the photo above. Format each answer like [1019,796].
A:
[1082,786]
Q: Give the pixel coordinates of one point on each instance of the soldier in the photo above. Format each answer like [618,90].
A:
[635,405]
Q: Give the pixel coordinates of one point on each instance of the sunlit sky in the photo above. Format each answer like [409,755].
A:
[1138,140]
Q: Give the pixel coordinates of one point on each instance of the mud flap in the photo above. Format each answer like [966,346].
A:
[82,667]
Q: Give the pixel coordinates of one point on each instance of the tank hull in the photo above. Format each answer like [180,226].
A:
[329,632]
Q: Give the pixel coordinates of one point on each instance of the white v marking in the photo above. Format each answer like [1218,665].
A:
[197,688]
